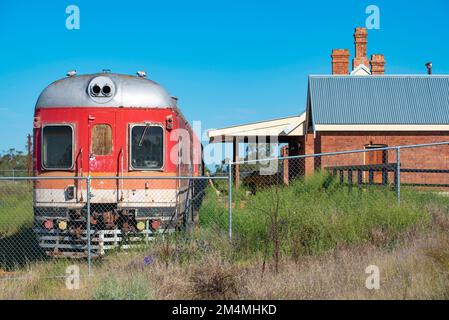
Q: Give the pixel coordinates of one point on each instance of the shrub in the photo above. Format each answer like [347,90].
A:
[216,279]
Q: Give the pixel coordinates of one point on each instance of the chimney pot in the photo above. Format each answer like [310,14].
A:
[340,61]
[377,64]
[360,42]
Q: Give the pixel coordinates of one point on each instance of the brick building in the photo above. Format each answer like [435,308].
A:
[366,109]
[368,112]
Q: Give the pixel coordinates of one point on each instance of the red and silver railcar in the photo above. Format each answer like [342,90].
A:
[126,129]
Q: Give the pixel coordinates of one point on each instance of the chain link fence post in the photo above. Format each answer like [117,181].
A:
[398,174]
[230,198]
[89,251]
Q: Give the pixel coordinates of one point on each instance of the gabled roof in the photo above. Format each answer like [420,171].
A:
[361,70]
[379,100]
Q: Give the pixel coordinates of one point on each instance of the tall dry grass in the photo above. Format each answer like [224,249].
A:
[416,269]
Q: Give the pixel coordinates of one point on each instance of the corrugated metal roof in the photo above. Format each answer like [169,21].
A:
[395,99]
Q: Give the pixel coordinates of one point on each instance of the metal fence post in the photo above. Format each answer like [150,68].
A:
[230,198]
[89,254]
[398,174]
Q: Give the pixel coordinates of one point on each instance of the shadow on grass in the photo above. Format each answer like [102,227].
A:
[19,249]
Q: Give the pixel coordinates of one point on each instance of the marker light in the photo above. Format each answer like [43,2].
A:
[48,224]
[156,224]
[140,225]
[62,225]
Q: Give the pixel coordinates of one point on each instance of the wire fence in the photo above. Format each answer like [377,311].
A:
[420,165]
[46,218]
[298,205]
[13,173]
[57,219]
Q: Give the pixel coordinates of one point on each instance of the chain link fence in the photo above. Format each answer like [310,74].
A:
[56,220]
[13,173]
[422,165]
[50,222]
[302,199]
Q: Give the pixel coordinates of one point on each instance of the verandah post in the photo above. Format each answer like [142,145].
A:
[398,174]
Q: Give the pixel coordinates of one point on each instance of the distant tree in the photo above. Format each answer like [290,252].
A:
[254,152]
[222,168]
[13,159]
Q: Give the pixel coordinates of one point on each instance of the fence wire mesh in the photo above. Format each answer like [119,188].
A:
[253,202]
[14,173]
[373,167]
[278,196]
[61,220]
[420,166]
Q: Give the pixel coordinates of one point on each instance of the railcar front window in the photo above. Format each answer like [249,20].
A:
[57,145]
[147,147]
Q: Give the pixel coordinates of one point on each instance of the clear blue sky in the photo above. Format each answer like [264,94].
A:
[228,61]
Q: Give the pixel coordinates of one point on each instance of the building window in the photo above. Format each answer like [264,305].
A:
[101,139]
[57,147]
[147,147]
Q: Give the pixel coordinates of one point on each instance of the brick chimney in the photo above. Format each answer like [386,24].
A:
[360,36]
[340,61]
[377,64]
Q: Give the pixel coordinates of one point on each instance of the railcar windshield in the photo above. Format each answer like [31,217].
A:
[147,147]
[57,147]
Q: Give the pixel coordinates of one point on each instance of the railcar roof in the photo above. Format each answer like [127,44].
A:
[129,91]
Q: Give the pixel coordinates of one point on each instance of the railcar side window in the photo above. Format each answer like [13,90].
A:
[147,147]
[101,139]
[57,146]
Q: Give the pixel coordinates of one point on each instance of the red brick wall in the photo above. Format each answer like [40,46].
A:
[436,157]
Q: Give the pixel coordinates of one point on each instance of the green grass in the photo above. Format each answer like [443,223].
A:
[317,215]
[16,207]
[18,245]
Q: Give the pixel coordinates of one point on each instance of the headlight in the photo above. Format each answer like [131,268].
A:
[62,225]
